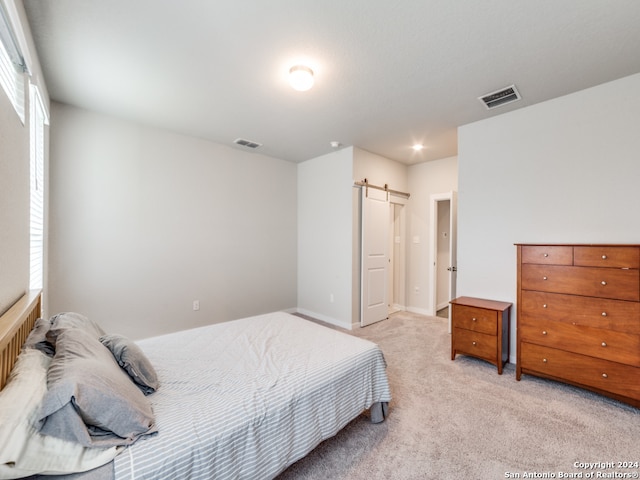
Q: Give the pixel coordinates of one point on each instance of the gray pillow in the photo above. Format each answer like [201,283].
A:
[90,400]
[66,320]
[130,357]
[37,338]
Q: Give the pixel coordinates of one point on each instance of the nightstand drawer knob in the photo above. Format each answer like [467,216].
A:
[604,344]
[544,332]
[544,306]
[474,319]
[546,254]
[544,278]
[604,375]
[473,343]
[544,360]
[603,282]
[604,314]
[604,257]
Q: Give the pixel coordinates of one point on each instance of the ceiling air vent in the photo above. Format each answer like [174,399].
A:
[500,97]
[247,143]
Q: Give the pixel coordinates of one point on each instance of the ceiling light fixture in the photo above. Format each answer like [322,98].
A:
[417,147]
[301,78]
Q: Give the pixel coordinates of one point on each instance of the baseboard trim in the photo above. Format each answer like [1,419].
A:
[421,311]
[324,318]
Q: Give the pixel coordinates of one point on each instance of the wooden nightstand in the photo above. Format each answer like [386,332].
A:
[480,328]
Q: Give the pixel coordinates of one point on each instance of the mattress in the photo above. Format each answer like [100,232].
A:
[247,398]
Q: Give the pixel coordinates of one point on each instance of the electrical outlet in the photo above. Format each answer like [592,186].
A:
[196,305]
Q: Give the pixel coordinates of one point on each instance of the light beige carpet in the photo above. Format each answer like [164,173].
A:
[460,419]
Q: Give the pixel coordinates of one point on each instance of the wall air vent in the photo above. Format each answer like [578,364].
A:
[247,143]
[500,97]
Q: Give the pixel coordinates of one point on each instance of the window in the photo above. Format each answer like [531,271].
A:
[12,65]
[38,120]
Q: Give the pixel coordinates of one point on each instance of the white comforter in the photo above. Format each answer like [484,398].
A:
[247,398]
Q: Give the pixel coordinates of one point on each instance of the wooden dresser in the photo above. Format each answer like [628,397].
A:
[579,316]
[480,328]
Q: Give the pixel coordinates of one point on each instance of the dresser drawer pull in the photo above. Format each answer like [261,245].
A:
[603,282]
[604,257]
[604,375]
[544,332]
[604,314]
[604,344]
[474,319]
[473,343]
[544,278]
[544,306]
[544,360]
[546,254]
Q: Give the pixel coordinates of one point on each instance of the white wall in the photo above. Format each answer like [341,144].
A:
[565,170]
[143,222]
[325,237]
[14,204]
[425,179]
[379,170]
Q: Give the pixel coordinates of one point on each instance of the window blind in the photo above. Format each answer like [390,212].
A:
[38,120]
[12,65]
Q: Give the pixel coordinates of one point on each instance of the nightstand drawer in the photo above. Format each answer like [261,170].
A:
[476,344]
[476,319]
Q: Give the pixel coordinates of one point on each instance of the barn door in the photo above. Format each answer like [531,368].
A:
[375,256]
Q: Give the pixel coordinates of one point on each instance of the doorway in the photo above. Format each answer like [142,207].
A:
[397,264]
[443,272]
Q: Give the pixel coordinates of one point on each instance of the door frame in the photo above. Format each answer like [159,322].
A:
[434,199]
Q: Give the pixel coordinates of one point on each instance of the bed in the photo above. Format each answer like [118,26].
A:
[240,399]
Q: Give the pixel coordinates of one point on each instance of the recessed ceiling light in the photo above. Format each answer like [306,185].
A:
[301,78]
[417,147]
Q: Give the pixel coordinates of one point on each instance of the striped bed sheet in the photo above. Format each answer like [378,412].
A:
[247,398]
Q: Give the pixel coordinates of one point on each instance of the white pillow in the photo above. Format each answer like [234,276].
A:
[23,450]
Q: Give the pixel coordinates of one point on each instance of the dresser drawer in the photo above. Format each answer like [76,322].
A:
[615,346]
[476,319]
[613,283]
[617,315]
[601,374]
[475,343]
[607,256]
[547,254]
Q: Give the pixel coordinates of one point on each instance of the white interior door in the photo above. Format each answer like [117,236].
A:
[453,242]
[374,304]
[452,269]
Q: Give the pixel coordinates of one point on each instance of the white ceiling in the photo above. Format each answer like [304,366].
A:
[388,72]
